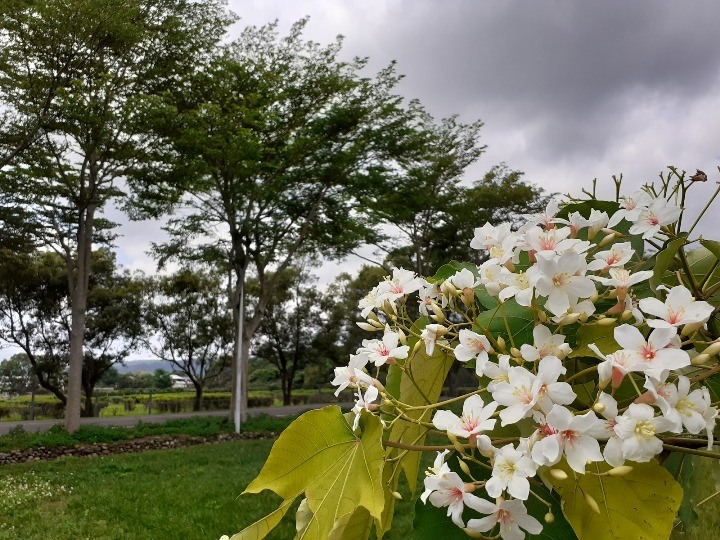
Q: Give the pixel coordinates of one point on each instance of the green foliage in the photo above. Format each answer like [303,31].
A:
[319,455]
[511,321]
[641,504]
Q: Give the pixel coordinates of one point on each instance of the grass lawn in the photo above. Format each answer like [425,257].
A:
[184,494]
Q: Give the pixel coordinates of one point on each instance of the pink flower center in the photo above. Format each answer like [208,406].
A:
[383,350]
[477,345]
[547,242]
[546,430]
[648,351]
[652,219]
[569,435]
[456,494]
[470,423]
[504,517]
[396,288]
[675,317]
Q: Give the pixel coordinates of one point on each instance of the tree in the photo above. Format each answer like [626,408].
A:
[189,325]
[273,154]
[162,379]
[35,315]
[17,375]
[294,326]
[112,52]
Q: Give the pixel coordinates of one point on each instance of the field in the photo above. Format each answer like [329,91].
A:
[189,493]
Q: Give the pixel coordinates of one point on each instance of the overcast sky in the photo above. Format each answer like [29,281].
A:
[568,91]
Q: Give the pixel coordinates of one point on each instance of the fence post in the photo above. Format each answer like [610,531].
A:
[32,404]
[150,403]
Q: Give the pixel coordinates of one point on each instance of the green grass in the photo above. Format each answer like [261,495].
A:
[188,493]
[205,426]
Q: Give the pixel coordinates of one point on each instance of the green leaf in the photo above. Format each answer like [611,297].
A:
[262,527]
[664,262]
[433,523]
[319,454]
[680,465]
[428,375]
[640,505]
[486,301]
[450,269]
[353,526]
[519,320]
[713,246]
[602,336]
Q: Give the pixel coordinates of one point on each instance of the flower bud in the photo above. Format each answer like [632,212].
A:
[501,343]
[402,337]
[626,315]
[377,324]
[549,517]
[592,503]
[691,328]
[464,467]
[558,474]
[372,317]
[457,444]
[397,495]
[594,297]
[712,349]
[367,327]
[448,289]
[607,239]
[607,321]
[417,346]
[622,470]
[570,318]
[700,359]
[542,317]
[515,352]
[599,408]
[437,310]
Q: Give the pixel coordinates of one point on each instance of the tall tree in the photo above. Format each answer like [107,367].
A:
[189,325]
[128,48]
[294,332]
[278,147]
[35,316]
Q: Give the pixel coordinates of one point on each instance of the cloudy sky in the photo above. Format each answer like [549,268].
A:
[568,91]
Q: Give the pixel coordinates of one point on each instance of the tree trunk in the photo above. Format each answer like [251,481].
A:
[286,388]
[89,409]
[78,298]
[241,350]
[197,403]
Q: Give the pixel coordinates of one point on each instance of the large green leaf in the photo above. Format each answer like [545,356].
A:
[680,465]
[421,387]
[664,262]
[262,527]
[602,336]
[451,268]
[353,526]
[319,454]
[639,506]
[433,523]
[519,320]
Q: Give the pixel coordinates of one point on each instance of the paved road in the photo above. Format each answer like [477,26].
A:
[128,421]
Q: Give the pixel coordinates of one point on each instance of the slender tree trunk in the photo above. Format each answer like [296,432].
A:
[197,403]
[89,392]
[78,299]
[286,388]
[241,351]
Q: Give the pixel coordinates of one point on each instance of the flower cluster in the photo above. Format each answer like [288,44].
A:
[564,271]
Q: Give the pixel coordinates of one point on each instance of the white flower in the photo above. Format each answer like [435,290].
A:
[651,356]
[658,214]
[370,302]
[490,276]
[545,343]
[511,469]
[622,279]
[452,492]
[637,428]
[464,279]
[516,285]
[472,345]
[679,308]
[585,308]
[474,420]
[631,208]
[380,351]
[545,218]
[614,367]
[691,408]
[561,281]
[618,255]
[427,294]
[549,242]
[363,401]
[488,235]
[497,372]
[547,387]
[435,474]
[402,282]
[612,452]
[352,374]
[511,515]
[516,394]
[576,436]
[430,335]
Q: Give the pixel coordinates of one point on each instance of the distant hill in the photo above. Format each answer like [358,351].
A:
[133,366]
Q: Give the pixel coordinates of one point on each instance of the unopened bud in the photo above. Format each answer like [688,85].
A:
[377,324]
[468,296]
[439,319]
[712,349]
[599,408]
[515,352]
[367,327]
[626,315]
[700,359]
[622,470]
[613,294]
[457,444]
[691,328]
[549,517]
[437,310]
[592,503]
[558,474]
[372,317]
[542,317]
[583,317]
[397,495]
[594,297]
[402,337]
[570,318]
[448,289]
[464,467]
[417,346]
[501,343]
[607,239]
[607,321]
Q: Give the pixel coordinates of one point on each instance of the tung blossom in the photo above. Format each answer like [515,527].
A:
[653,355]
[638,428]
[511,470]
[385,350]
[545,343]
[631,206]
[450,491]
[561,280]
[472,346]
[352,374]
[511,515]
[655,216]
[476,418]
[617,256]
[678,309]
